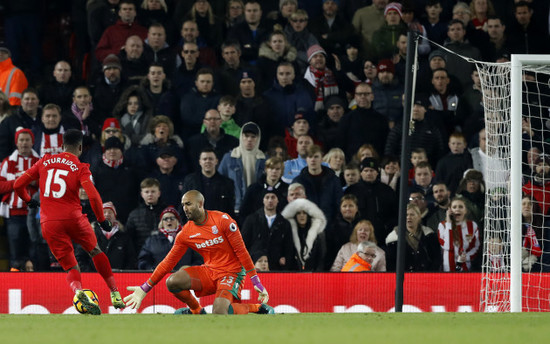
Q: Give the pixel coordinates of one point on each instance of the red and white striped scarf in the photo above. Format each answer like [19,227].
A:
[469,245]
[324,83]
[112,163]
[52,143]
[170,233]
[12,167]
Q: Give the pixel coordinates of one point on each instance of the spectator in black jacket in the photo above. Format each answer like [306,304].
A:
[169,175]
[142,221]
[159,243]
[331,29]
[157,50]
[320,182]
[108,87]
[374,126]
[270,180]
[250,33]
[426,133]
[339,231]
[377,201]
[218,190]
[26,116]
[115,180]
[267,233]
[213,136]
[450,169]
[116,244]
[59,90]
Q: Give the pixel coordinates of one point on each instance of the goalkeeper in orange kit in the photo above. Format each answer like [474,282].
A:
[216,237]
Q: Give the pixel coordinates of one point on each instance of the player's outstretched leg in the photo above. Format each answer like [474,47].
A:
[116,300]
[88,303]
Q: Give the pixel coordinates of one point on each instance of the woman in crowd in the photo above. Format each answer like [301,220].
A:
[160,135]
[363,231]
[366,151]
[481,10]
[459,238]
[336,159]
[308,224]
[134,111]
[390,172]
[422,252]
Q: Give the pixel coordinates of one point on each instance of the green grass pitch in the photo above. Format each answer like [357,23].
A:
[401,328]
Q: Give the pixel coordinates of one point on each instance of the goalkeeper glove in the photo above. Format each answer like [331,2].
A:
[106,225]
[139,292]
[33,204]
[264,296]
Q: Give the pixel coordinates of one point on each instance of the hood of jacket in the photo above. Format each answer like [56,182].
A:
[289,55]
[318,224]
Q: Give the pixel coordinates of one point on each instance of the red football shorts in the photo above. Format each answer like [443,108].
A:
[227,286]
[60,234]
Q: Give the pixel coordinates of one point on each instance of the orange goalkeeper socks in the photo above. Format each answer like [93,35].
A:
[244,308]
[186,297]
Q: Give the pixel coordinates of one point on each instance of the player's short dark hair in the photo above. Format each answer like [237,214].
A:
[72,138]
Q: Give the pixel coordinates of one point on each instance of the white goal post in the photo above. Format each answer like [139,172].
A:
[507,97]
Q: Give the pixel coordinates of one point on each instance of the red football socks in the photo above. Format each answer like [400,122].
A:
[73,278]
[103,266]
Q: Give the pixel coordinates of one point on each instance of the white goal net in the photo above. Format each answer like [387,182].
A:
[516,250]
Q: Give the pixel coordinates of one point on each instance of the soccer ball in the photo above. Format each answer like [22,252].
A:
[79,306]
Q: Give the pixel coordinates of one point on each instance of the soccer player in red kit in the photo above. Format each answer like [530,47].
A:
[60,178]
[216,237]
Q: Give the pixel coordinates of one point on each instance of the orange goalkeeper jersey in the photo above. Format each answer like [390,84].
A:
[218,240]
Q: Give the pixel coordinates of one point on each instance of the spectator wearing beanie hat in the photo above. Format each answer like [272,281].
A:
[115,180]
[320,81]
[160,242]
[116,244]
[107,88]
[327,129]
[387,93]
[385,38]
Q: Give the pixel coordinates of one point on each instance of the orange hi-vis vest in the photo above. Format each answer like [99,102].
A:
[357,264]
[12,81]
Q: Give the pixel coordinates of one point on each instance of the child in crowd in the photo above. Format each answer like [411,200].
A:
[226,108]
[450,169]
[417,155]
[352,174]
[144,219]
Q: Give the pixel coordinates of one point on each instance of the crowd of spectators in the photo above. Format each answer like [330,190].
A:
[287,115]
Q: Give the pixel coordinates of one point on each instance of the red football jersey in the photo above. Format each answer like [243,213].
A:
[218,240]
[61,176]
